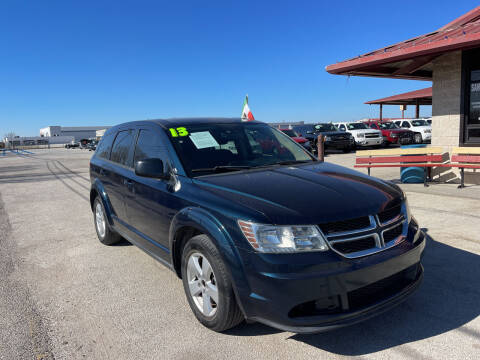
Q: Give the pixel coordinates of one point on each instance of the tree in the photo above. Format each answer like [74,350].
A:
[10,135]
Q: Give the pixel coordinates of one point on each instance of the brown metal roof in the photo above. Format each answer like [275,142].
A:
[411,59]
[422,97]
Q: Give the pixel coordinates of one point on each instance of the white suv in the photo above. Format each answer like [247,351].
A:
[417,125]
[364,136]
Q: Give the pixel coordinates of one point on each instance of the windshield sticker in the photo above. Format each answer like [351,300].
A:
[179,131]
[203,140]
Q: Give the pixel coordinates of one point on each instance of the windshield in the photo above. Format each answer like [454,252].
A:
[325,127]
[419,123]
[206,148]
[356,126]
[289,132]
[388,125]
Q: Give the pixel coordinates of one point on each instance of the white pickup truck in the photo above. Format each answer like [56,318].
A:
[363,135]
[417,125]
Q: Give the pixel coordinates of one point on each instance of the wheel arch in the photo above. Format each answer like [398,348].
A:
[97,189]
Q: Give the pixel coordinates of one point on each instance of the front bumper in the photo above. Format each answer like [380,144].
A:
[339,144]
[282,284]
[370,141]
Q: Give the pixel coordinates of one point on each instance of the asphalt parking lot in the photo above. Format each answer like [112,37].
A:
[64,295]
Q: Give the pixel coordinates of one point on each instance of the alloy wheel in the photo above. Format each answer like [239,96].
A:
[202,284]
[100,220]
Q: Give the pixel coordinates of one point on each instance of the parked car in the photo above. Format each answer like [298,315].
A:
[334,138]
[255,226]
[363,135]
[92,145]
[72,145]
[418,125]
[392,134]
[297,138]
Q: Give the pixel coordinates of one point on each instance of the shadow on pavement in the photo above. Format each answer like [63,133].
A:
[447,299]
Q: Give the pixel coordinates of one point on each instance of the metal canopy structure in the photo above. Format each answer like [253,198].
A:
[417,98]
[412,59]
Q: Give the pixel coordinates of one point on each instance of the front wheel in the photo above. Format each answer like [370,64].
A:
[208,286]
[418,138]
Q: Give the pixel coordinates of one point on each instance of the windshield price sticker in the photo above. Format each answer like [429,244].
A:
[179,131]
[203,140]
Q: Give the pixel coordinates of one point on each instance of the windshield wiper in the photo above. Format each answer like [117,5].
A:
[222,168]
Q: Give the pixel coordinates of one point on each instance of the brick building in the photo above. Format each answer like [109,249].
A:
[450,58]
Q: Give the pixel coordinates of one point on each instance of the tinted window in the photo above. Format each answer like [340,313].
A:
[149,146]
[419,123]
[388,125]
[342,127]
[105,145]
[405,124]
[356,126]
[374,126]
[121,147]
[325,127]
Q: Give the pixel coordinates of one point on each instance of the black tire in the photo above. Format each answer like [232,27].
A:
[110,237]
[347,150]
[227,314]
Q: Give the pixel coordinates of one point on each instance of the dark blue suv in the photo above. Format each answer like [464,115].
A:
[255,226]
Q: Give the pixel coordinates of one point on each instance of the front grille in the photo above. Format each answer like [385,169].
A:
[392,234]
[372,135]
[345,225]
[389,214]
[348,247]
[339,137]
[380,290]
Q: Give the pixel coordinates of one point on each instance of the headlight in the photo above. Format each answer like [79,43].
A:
[361,135]
[283,239]
[428,131]
[328,138]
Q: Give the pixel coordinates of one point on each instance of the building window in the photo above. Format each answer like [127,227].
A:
[471,119]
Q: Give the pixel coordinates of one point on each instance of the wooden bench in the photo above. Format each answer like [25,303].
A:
[427,158]
[465,158]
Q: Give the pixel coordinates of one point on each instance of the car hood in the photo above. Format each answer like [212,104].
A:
[364,131]
[331,133]
[305,194]
[397,131]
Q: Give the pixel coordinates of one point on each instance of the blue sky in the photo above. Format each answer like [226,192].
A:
[78,63]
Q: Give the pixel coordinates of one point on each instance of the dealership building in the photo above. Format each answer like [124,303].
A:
[450,58]
[77,132]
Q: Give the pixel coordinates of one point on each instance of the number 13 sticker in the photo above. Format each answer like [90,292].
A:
[179,131]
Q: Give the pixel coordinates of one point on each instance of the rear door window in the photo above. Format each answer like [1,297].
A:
[149,146]
[121,148]
[105,145]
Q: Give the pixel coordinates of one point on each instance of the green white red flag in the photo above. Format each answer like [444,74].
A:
[246,112]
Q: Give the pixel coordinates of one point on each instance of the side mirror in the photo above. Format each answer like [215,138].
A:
[152,168]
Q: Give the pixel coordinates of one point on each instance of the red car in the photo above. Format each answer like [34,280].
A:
[392,134]
[297,138]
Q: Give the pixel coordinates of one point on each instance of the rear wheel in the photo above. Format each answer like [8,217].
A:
[104,233]
[208,286]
